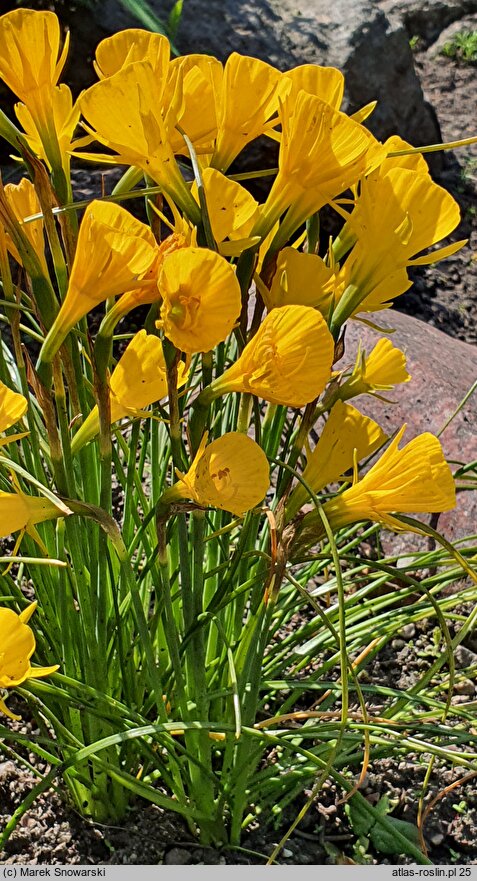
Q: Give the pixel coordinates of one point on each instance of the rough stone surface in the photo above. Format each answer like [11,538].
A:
[442,370]
[372,52]
[427,18]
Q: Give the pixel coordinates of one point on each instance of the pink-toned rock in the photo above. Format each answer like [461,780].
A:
[442,369]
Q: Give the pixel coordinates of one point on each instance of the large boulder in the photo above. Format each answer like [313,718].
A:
[442,370]
[428,18]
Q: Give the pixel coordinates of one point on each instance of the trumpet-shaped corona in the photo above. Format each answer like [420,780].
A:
[17,644]
[114,251]
[347,436]
[415,478]
[288,361]
[231,473]
[139,379]
[200,299]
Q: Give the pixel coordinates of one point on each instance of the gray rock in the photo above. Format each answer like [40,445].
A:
[442,371]
[427,18]
[408,631]
[177,856]
[465,687]
[461,26]
[464,657]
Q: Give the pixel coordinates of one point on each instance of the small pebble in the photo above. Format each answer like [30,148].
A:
[177,856]
[464,687]
[397,644]
[408,631]
[464,657]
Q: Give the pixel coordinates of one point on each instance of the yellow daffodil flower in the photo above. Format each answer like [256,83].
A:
[347,437]
[17,644]
[199,79]
[397,216]
[201,299]
[384,368]
[12,408]
[288,361]
[232,212]
[130,45]
[30,64]
[322,152]
[326,83]
[300,279]
[128,112]
[64,118]
[415,478]
[113,253]
[24,202]
[19,512]
[139,379]
[232,473]
[246,107]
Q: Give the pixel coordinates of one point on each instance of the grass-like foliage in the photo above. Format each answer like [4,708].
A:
[462,46]
[186,507]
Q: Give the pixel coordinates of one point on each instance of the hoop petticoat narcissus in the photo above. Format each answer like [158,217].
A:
[31,64]
[347,436]
[139,379]
[232,212]
[247,103]
[381,370]
[232,473]
[414,479]
[130,45]
[326,83]
[201,299]
[64,118]
[12,407]
[300,279]
[288,361]
[114,251]
[17,644]
[397,216]
[322,152]
[23,200]
[127,112]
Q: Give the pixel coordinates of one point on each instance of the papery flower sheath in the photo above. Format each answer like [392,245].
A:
[139,379]
[114,251]
[415,478]
[381,370]
[288,361]
[201,299]
[232,473]
[346,438]
[17,644]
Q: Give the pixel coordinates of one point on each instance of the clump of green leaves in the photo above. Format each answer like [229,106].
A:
[462,47]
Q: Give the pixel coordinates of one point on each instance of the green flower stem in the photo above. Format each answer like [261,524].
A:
[243,421]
